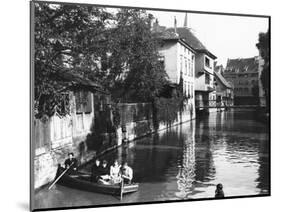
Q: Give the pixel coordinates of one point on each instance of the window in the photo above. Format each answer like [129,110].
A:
[63,105]
[207,62]
[254,75]
[83,102]
[186,70]
[192,65]
[189,68]
[181,64]
[207,79]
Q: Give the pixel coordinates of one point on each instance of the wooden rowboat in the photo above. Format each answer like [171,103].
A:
[82,181]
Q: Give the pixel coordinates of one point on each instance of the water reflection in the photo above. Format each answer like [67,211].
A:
[187,161]
[186,173]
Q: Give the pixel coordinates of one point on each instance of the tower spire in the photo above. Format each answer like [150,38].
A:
[185,24]
[175,24]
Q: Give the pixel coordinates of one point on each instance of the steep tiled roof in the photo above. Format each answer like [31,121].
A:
[167,35]
[242,65]
[222,80]
[189,37]
[184,34]
[171,35]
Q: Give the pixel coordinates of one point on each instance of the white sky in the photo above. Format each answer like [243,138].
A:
[223,35]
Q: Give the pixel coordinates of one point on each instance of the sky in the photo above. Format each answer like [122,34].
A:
[223,35]
[226,36]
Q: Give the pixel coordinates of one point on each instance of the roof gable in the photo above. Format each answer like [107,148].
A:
[189,37]
[222,80]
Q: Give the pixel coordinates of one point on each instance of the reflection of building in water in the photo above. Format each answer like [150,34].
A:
[204,162]
[186,172]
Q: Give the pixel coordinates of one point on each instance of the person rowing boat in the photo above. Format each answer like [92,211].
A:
[70,167]
[71,163]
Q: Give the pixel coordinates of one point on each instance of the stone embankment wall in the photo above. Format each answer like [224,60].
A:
[57,136]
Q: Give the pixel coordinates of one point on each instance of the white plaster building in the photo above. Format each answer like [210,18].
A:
[205,94]
[179,62]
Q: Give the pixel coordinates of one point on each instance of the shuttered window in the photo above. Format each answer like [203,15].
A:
[83,102]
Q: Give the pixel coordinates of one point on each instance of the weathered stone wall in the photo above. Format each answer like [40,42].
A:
[55,137]
[60,135]
[137,120]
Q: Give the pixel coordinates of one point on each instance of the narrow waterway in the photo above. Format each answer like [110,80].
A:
[186,162]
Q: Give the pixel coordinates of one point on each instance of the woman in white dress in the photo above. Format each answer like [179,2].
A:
[115,172]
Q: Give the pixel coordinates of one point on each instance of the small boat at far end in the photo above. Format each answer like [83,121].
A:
[82,181]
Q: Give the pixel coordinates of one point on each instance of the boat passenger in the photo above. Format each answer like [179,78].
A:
[104,173]
[96,171]
[127,173]
[219,191]
[115,172]
[71,162]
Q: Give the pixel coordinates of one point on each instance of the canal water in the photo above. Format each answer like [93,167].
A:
[186,162]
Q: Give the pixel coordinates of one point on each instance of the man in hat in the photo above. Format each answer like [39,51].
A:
[71,163]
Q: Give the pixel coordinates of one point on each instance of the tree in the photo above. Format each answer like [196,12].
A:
[263,46]
[135,65]
[67,39]
[118,51]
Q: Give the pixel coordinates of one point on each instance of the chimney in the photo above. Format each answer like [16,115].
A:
[175,24]
[185,21]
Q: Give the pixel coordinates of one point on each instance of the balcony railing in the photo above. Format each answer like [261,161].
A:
[212,103]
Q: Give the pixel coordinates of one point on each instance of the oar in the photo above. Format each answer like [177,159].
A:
[60,176]
[122,188]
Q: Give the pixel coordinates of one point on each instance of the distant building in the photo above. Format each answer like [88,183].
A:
[243,74]
[224,89]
